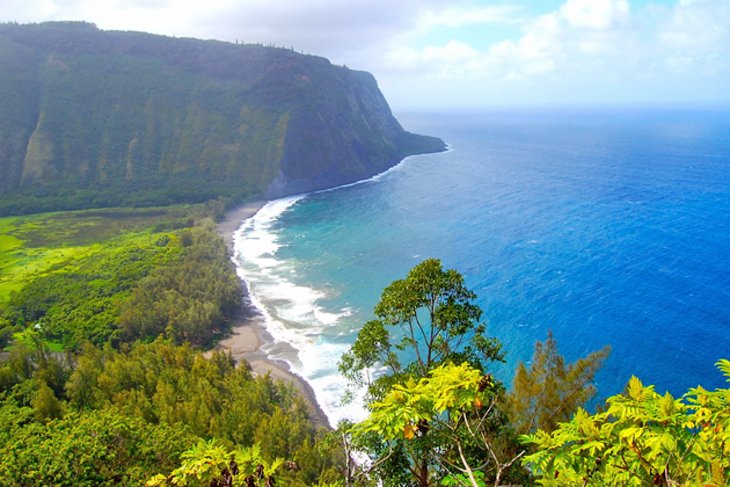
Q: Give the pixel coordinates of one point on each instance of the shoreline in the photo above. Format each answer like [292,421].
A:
[248,332]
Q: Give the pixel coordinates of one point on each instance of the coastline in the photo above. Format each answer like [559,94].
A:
[248,333]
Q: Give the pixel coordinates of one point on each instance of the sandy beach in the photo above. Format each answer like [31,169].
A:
[248,333]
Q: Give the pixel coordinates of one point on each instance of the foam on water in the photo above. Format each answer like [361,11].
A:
[292,313]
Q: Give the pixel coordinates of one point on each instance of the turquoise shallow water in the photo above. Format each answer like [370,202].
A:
[606,226]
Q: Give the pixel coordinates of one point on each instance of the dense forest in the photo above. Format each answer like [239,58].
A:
[91,118]
[104,314]
[113,276]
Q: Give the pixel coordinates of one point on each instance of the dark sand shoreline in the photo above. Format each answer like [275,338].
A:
[248,333]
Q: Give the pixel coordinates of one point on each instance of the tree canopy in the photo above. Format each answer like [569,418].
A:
[433,320]
[425,321]
[550,391]
[167,414]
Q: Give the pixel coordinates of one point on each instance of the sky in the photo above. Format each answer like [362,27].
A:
[462,53]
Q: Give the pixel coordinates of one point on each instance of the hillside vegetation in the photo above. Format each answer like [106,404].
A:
[90,118]
[101,312]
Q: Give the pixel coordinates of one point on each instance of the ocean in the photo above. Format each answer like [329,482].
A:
[606,226]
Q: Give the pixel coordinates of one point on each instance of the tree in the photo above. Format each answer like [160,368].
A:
[642,438]
[103,447]
[45,405]
[454,403]
[434,322]
[550,391]
[434,316]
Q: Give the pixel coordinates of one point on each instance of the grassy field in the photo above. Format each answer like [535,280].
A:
[83,261]
[37,245]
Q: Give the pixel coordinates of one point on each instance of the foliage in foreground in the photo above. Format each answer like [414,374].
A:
[442,418]
[454,408]
[107,417]
[642,438]
[209,463]
[550,391]
[431,314]
[121,403]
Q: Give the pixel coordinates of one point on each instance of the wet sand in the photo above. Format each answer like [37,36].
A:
[248,333]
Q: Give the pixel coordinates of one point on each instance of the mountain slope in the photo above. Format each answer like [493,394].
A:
[95,118]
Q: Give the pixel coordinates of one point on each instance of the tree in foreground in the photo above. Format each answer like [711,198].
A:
[642,438]
[211,464]
[454,408]
[550,391]
[423,322]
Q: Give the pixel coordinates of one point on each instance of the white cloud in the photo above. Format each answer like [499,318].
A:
[598,49]
[455,16]
[595,14]
[697,25]
[447,61]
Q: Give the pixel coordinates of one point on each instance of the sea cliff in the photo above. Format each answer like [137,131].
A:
[99,118]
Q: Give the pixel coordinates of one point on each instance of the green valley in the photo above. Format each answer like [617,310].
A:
[74,274]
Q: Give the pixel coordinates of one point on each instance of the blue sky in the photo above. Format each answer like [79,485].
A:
[436,53]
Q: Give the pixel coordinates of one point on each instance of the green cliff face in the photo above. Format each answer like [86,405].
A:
[95,118]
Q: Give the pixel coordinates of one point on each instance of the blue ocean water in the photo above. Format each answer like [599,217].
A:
[605,226]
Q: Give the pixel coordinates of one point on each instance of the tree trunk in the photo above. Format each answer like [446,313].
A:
[422,476]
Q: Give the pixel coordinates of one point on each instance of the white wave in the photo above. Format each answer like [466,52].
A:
[319,369]
[329,318]
[292,313]
[260,242]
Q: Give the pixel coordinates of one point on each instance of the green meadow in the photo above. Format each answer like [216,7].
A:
[38,245]
[114,275]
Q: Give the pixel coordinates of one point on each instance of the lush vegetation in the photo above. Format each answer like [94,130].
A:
[550,391]
[452,423]
[642,438]
[102,312]
[92,119]
[441,418]
[110,417]
[127,293]
[115,276]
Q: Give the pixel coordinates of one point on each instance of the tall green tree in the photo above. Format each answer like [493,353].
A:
[424,321]
[550,391]
[427,319]
[45,405]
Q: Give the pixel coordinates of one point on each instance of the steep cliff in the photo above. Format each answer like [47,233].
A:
[93,118]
